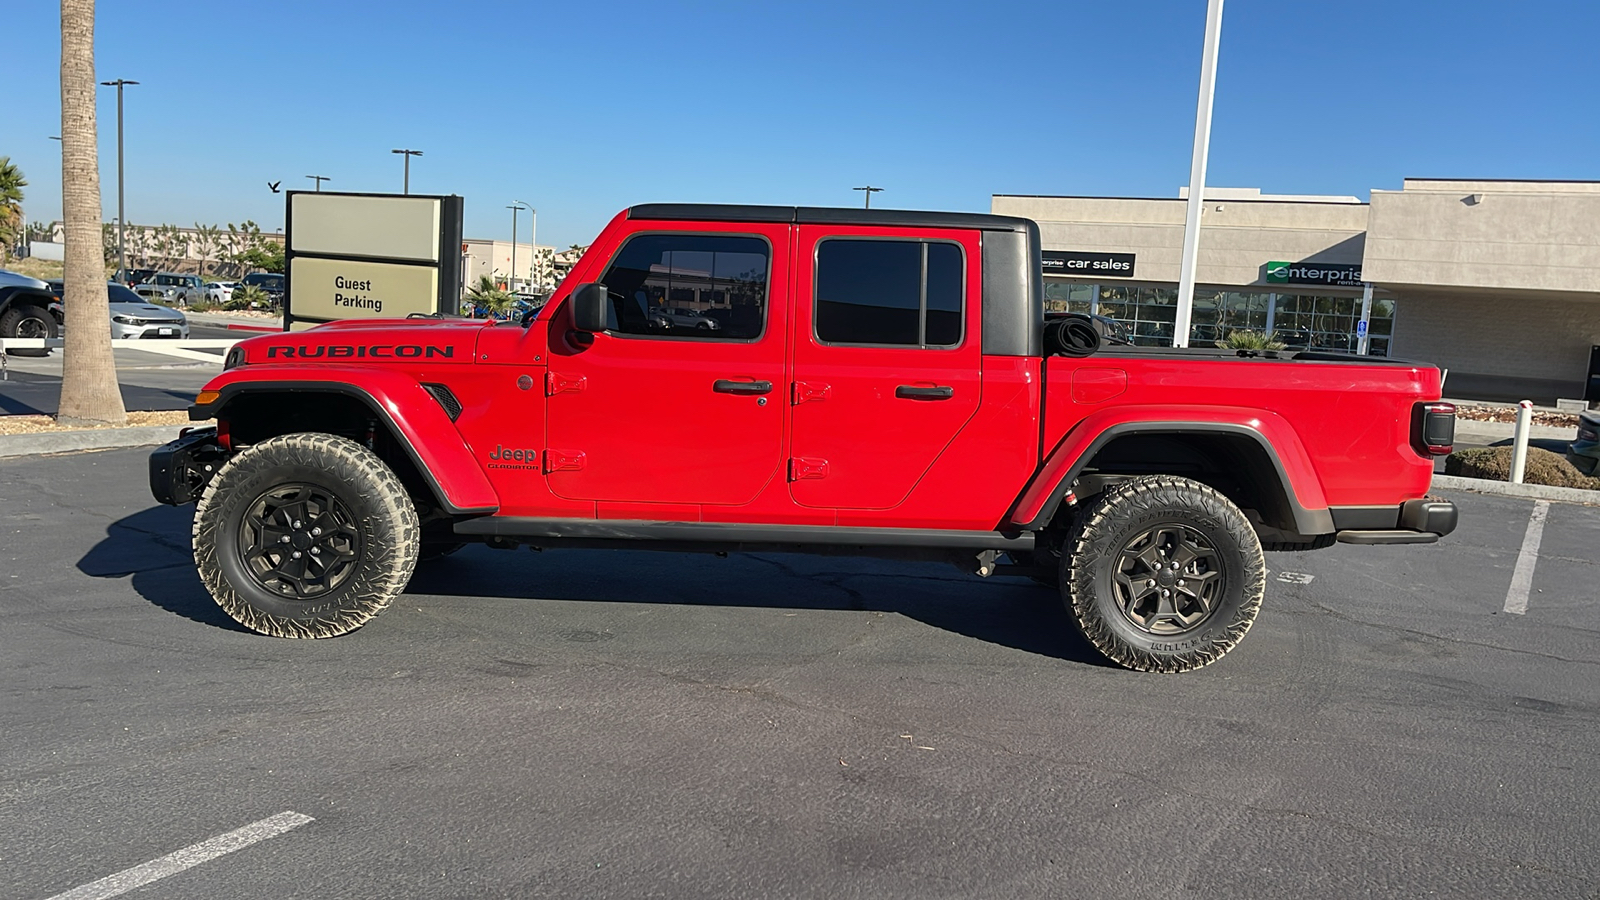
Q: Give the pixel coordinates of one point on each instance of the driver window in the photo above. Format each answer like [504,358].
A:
[701,286]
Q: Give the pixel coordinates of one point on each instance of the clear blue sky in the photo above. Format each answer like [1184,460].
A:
[581,109]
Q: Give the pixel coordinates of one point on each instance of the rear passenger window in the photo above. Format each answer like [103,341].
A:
[708,287]
[894,293]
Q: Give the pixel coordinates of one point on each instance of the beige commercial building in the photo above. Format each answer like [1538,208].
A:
[1497,281]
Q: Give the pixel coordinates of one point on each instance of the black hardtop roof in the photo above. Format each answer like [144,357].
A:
[824,215]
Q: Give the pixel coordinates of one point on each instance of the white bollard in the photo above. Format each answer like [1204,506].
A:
[1519,441]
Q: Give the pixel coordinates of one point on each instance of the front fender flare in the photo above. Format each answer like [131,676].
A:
[430,438]
[1295,472]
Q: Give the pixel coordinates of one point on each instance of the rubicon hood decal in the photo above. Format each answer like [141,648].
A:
[361,351]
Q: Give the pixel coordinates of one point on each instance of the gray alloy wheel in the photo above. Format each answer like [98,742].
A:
[1163,574]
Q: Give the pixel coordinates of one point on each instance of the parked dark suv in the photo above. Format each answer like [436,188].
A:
[270,282]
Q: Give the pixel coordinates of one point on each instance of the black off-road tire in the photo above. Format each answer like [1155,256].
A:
[288,487]
[1165,519]
[24,320]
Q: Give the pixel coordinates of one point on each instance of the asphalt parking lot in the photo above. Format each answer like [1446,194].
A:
[1402,721]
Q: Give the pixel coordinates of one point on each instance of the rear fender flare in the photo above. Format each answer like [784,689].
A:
[434,444]
[1276,437]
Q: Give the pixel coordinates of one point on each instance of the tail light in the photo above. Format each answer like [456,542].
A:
[1433,428]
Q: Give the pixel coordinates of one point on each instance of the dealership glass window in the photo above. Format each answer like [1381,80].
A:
[1069,296]
[703,286]
[907,293]
[1318,321]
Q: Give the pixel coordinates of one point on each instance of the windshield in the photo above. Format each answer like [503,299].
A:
[116,293]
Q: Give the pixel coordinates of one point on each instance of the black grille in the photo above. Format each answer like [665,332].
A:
[447,400]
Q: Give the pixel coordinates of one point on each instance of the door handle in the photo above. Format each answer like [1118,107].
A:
[916,392]
[728,386]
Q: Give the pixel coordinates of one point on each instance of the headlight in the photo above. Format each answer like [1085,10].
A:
[1588,434]
[124,320]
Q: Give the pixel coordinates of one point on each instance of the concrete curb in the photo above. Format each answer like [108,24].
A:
[1527,491]
[96,439]
[1504,431]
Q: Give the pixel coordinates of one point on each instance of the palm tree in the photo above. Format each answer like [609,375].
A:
[488,295]
[89,391]
[11,185]
[208,239]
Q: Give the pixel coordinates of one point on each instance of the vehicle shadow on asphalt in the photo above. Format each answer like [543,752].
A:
[152,546]
[1007,611]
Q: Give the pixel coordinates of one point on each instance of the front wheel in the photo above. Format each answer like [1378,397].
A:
[25,321]
[305,536]
[1163,574]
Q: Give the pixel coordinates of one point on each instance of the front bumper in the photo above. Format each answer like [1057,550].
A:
[1415,522]
[180,470]
[162,330]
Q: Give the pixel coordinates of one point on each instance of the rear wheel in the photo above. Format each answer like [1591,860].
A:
[27,321]
[306,536]
[1163,574]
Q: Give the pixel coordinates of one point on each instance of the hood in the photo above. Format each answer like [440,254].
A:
[9,278]
[143,310]
[369,341]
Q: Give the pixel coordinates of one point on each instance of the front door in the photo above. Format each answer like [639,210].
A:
[679,400]
[887,360]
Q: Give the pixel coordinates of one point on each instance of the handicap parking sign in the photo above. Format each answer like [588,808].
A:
[1361,328]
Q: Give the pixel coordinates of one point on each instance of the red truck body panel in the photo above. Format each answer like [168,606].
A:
[633,427]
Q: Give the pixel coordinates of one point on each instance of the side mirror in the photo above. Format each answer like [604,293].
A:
[589,308]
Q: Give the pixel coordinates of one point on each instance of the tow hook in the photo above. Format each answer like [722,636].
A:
[985,563]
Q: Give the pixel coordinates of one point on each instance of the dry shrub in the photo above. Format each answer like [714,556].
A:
[1494,464]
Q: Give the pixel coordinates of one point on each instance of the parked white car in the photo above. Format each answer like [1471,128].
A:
[220,291]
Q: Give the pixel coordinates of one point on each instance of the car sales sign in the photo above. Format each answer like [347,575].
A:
[1085,262]
[370,256]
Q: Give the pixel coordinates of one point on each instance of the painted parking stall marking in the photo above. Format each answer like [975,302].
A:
[1522,575]
[187,858]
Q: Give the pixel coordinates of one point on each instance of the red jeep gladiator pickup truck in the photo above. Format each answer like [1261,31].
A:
[875,382]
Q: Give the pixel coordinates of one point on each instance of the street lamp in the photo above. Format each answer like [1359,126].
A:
[408,154]
[867,193]
[122,215]
[1189,260]
[319,179]
[516,205]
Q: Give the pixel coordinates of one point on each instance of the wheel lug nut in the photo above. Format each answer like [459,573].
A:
[315,532]
[315,552]
[297,524]
[297,556]
[1180,582]
[1164,591]
[284,539]
[1150,583]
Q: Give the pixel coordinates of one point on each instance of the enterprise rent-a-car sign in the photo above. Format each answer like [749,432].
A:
[1313,273]
[369,256]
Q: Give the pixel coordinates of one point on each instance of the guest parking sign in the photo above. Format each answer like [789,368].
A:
[369,256]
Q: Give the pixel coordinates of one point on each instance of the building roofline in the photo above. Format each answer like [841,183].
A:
[1267,199]
[1513,180]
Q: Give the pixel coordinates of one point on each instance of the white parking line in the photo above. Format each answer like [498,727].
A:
[187,858]
[1522,575]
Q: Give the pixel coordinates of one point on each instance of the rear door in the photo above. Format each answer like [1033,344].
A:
[675,408]
[887,360]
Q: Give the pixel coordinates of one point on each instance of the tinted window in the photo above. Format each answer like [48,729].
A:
[691,285]
[906,293]
[116,293]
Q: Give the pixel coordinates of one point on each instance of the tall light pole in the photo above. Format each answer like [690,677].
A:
[511,281]
[122,215]
[319,179]
[408,154]
[1197,174]
[866,194]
